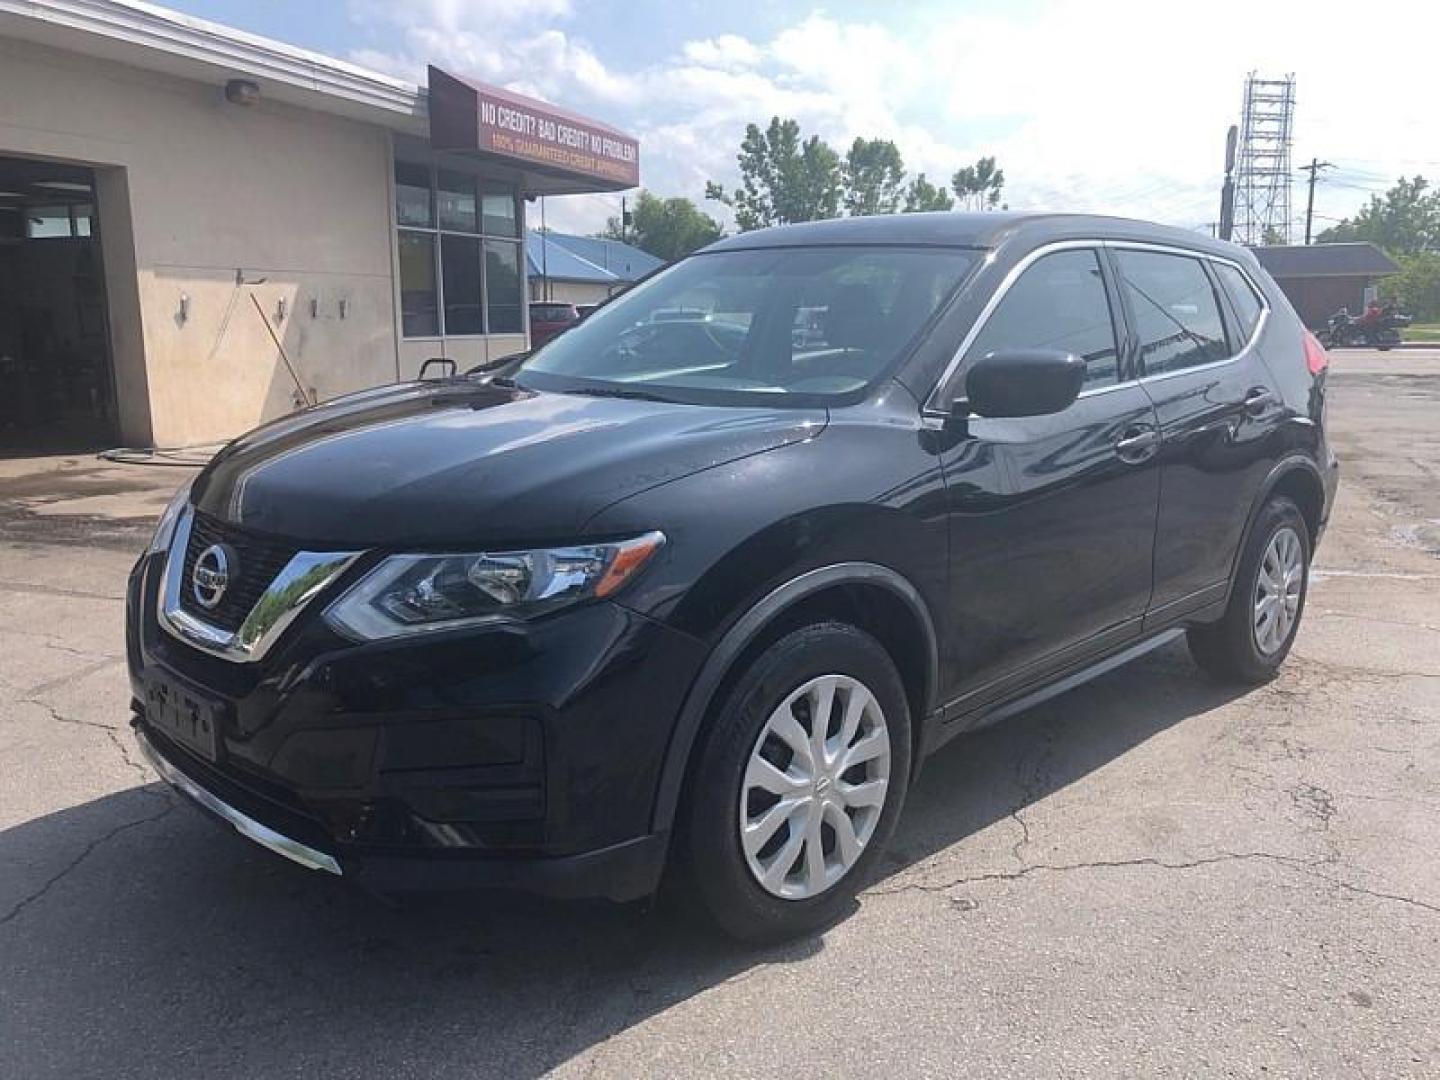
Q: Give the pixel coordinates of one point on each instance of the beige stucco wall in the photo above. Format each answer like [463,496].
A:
[192,188]
[569,292]
[467,352]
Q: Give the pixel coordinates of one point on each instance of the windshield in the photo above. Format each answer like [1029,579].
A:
[799,326]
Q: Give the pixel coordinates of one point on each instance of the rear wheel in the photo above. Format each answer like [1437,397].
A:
[1254,636]
[799,784]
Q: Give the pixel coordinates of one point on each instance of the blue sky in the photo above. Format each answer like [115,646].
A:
[1114,106]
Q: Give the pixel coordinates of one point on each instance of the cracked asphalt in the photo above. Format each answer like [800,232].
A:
[1151,875]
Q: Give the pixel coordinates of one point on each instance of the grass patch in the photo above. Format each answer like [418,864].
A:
[1422,332]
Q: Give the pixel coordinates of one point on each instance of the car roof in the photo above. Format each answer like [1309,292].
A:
[976,230]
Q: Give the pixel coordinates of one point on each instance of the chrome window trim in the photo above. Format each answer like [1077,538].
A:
[264,623]
[935,408]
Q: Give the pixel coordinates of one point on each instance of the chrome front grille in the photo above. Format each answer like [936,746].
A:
[270,585]
[257,561]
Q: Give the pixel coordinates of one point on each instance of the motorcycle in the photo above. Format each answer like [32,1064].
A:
[1380,331]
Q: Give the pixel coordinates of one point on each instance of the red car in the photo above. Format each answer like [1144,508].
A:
[547,319]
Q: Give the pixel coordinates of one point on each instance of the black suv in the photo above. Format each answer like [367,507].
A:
[702,591]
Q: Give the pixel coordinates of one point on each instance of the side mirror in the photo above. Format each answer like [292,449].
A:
[1024,382]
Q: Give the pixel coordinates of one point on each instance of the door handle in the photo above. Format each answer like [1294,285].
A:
[1259,400]
[1137,443]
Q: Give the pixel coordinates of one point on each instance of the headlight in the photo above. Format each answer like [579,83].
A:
[165,528]
[416,594]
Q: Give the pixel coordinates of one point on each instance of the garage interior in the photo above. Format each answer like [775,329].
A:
[57,388]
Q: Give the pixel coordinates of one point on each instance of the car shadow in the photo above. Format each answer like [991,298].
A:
[165,948]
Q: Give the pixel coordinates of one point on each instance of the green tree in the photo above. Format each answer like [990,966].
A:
[921,195]
[874,175]
[666,228]
[1416,288]
[978,186]
[1405,221]
[782,178]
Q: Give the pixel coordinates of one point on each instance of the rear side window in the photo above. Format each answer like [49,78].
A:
[1177,316]
[1242,297]
[1057,303]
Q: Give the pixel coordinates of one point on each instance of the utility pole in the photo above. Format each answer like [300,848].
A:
[1313,169]
[624,221]
[544,254]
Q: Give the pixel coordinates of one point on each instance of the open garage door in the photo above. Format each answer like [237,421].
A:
[57,389]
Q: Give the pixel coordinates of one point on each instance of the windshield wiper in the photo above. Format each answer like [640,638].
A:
[618,392]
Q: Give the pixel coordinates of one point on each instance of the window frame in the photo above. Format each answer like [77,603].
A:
[433,167]
[936,407]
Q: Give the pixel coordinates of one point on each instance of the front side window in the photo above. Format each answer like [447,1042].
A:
[1059,303]
[786,326]
[1177,316]
[459,253]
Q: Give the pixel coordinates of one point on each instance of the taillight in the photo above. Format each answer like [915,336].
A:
[1316,359]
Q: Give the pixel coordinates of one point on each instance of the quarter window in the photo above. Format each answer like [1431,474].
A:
[1242,297]
[459,253]
[1058,303]
[1177,316]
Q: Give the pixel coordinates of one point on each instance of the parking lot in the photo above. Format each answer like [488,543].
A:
[1149,875]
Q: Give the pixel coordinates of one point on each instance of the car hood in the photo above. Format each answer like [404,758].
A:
[467,463]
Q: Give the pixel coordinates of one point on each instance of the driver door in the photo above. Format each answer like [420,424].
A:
[1055,567]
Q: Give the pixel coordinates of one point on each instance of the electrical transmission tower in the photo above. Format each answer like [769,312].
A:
[1262,191]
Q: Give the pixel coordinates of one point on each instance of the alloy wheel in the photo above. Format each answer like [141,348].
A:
[814,787]
[1278,588]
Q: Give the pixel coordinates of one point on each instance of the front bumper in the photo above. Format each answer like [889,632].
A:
[622,872]
[524,757]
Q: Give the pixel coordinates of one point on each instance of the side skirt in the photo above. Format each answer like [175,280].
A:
[944,733]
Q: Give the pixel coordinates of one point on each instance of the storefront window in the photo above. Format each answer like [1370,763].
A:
[460,261]
[412,195]
[498,206]
[505,298]
[446,287]
[456,195]
[418,314]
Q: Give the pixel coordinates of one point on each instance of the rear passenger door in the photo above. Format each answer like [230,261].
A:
[1217,410]
[1056,566]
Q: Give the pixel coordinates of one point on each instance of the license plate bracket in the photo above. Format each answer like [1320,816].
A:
[184,715]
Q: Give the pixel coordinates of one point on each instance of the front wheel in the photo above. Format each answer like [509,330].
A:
[1254,636]
[798,785]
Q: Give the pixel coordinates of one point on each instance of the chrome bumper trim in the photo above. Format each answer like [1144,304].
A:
[301,579]
[245,825]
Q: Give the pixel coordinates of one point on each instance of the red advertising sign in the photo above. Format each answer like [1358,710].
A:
[466,115]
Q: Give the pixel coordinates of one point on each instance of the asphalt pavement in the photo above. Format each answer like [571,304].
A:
[1151,875]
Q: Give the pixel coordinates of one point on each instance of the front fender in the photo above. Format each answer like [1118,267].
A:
[746,629]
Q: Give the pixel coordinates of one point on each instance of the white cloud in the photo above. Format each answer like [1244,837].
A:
[725,51]
[1118,107]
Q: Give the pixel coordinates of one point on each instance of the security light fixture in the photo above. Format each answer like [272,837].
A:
[242,92]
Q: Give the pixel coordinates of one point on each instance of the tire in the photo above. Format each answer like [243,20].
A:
[1241,647]
[725,795]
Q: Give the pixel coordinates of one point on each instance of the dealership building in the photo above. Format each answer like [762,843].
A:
[201,229]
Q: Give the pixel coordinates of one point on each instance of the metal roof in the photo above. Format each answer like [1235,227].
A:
[1361,259]
[565,257]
